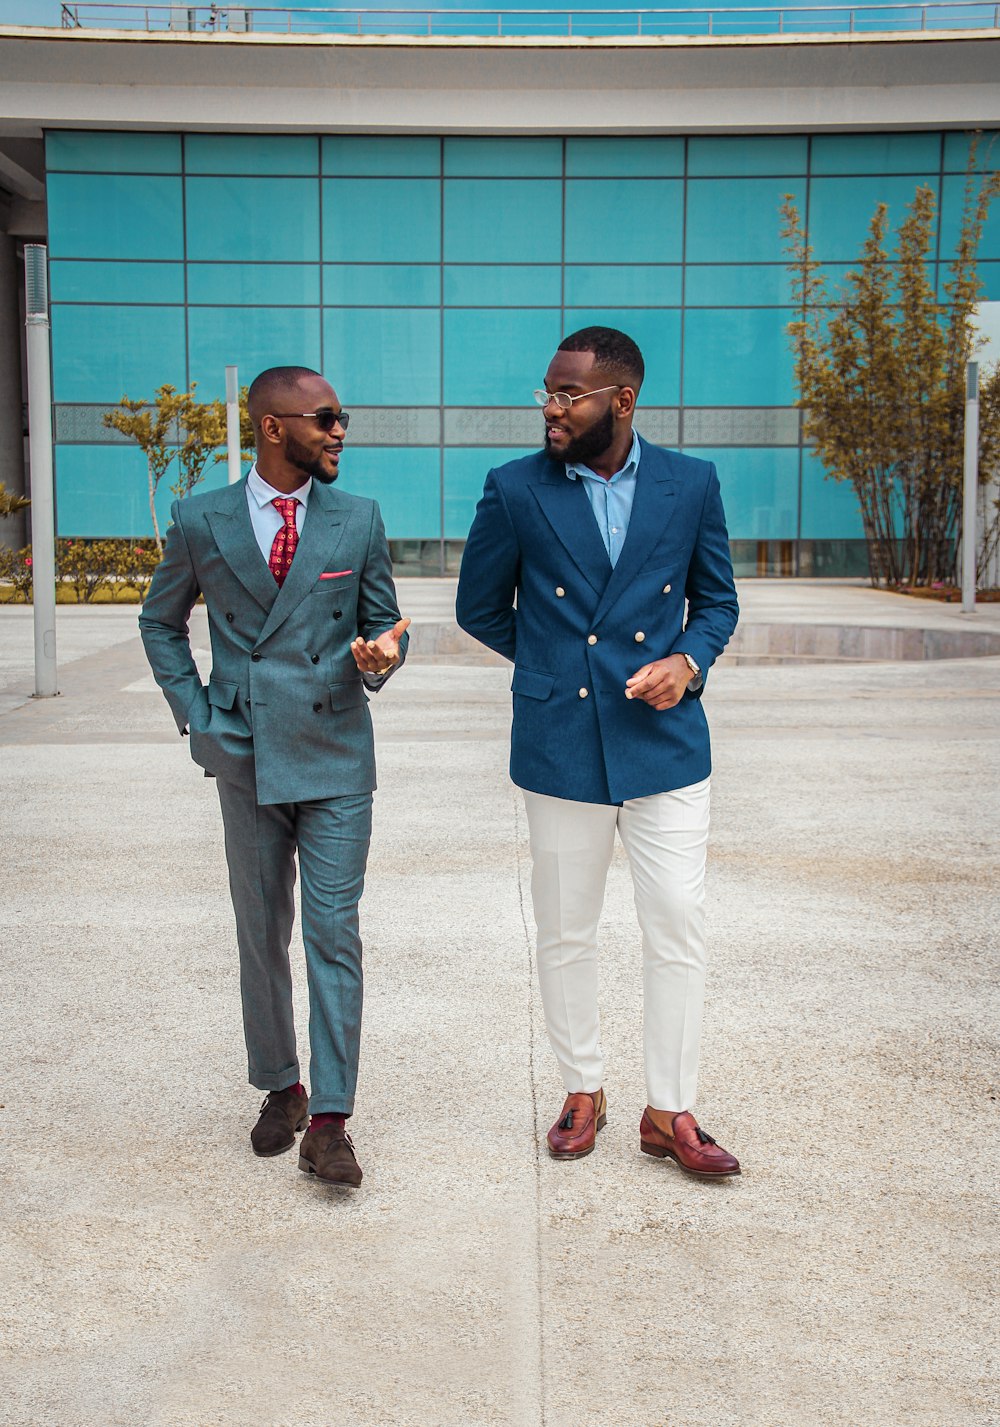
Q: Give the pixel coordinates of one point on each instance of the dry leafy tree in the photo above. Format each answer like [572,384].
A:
[173,425]
[10,503]
[880,369]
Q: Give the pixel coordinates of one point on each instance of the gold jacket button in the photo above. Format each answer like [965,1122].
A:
[666,589]
[584,693]
[591,638]
[559,592]
[639,636]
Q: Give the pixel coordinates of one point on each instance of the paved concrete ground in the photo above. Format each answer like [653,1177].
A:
[155,1272]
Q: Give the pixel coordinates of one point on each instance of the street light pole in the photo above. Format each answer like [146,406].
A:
[43,534]
[970,482]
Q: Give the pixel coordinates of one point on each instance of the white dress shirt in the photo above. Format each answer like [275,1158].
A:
[264,517]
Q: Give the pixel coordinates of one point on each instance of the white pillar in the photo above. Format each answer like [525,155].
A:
[233,425]
[43,533]
[969,487]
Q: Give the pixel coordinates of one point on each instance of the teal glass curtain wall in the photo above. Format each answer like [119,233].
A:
[431,279]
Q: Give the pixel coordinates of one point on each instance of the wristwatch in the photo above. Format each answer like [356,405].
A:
[690,663]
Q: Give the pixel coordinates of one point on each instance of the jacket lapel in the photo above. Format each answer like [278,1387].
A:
[565,506]
[316,547]
[237,544]
[654,504]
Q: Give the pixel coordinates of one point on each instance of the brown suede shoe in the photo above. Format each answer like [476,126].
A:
[282,1115]
[328,1153]
[574,1134]
[694,1151]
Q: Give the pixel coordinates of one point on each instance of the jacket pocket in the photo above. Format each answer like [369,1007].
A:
[222,694]
[347,695]
[531,684]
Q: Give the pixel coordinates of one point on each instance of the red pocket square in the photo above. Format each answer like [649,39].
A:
[335,574]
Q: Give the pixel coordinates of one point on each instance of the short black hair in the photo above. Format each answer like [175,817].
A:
[271,383]
[615,354]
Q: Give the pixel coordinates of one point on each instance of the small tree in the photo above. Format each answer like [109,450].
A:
[153,427]
[10,503]
[881,377]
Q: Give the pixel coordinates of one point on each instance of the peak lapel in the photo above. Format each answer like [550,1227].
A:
[565,506]
[317,543]
[230,524]
[652,508]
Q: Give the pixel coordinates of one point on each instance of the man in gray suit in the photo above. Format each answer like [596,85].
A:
[297,581]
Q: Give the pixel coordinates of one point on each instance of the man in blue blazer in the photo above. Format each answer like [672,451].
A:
[297,581]
[578,568]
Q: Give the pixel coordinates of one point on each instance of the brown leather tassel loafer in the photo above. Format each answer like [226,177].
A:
[574,1134]
[695,1152]
[328,1153]
[282,1115]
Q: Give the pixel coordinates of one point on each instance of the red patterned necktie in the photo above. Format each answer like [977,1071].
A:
[287,538]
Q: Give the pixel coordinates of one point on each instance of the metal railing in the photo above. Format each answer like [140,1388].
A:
[947,15]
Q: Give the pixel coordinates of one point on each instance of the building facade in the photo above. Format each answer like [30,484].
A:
[430,273]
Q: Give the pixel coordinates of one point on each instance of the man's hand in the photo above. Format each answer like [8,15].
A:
[661,683]
[378,656]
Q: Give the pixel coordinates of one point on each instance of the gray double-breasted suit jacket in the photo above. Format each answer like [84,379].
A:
[285,709]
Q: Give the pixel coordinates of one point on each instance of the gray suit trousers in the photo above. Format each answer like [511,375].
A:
[331,837]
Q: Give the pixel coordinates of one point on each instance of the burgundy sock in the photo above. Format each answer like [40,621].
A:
[298,1087]
[316,1122]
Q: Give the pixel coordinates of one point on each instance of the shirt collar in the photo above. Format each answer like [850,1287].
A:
[263,494]
[629,469]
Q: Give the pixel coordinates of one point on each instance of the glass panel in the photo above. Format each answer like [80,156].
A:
[116,282]
[747,155]
[359,154]
[735,285]
[381,220]
[102,491]
[253,219]
[951,222]
[658,336]
[623,286]
[389,355]
[406,482]
[737,219]
[251,153]
[990,275]
[465,471]
[251,338]
[956,151]
[502,221]
[538,158]
[618,158]
[368,284]
[498,356]
[760,490]
[101,353]
[829,508]
[841,209]
[271,284]
[617,221]
[737,357]
[876,153]
[113,153]
[114,217]
[528,286]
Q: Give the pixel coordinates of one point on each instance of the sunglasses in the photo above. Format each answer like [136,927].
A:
[326,419]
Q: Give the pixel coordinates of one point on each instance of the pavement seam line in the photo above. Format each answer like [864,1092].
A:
[518,840]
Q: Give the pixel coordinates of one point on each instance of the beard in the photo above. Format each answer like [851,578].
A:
[303,460]
[591,443]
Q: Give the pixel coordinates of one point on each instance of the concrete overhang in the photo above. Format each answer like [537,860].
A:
[540,85]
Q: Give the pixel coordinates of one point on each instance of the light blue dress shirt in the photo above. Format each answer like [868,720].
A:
[264,516]
[611,501]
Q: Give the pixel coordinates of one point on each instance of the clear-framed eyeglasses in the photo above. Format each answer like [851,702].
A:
[563,399]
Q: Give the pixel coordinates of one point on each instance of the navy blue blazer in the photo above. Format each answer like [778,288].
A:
[537,586]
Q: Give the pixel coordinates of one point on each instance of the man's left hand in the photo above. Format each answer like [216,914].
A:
[661,683]
[378,656]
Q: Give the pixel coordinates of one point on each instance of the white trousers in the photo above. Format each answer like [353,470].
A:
[665,837]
